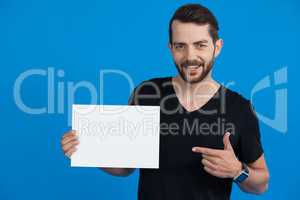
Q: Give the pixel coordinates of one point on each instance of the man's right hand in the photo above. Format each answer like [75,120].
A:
[69,142]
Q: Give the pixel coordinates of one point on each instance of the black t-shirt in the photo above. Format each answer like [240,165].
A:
[181,175]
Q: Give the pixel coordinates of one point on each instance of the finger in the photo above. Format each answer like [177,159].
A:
[68,139]
[214,172]
[70,152]
[217,161]
[214,160]
[209,164]
[71,132]
[208,151]
[226,142]
[70,145]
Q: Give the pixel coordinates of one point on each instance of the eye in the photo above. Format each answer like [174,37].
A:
[179,46]
[199,45]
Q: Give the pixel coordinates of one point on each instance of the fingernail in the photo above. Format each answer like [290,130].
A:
[194,149]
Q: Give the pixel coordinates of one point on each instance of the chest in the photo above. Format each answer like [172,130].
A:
[179,133]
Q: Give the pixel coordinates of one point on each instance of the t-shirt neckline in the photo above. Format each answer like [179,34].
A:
[211,99]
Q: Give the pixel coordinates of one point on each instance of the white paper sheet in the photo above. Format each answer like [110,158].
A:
[116,136]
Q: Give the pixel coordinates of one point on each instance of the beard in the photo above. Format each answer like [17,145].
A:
[186,68]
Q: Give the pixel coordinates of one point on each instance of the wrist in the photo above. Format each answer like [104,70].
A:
[238,169]
[243,175]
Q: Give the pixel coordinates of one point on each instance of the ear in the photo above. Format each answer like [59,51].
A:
[170,45]
[219,45]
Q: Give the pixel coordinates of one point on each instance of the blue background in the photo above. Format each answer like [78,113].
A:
[84,37]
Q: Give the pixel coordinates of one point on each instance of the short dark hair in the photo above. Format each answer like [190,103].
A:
[198,14]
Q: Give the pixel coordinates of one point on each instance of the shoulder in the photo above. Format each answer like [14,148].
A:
[152,85]
[148,92]
[239,104]
[157,80]
[235,99]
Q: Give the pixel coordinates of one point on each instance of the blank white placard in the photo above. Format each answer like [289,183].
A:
[116,136]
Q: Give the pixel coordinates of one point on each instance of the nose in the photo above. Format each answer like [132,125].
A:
[191,53]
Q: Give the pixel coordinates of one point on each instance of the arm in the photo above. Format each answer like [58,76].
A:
[118,171]
[224,164]
[258,179]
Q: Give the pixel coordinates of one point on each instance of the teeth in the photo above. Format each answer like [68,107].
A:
[193,67]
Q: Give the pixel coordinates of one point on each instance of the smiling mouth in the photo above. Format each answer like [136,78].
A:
[192,67]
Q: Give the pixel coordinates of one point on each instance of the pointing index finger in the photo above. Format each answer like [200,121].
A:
[207,151]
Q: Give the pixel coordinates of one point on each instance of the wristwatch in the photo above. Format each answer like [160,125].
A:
[243,175]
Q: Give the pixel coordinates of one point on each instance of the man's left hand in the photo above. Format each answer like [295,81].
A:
[220,163]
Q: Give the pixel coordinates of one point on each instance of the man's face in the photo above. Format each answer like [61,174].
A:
[193,50]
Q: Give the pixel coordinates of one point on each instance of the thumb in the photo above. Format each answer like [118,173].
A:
[226,141]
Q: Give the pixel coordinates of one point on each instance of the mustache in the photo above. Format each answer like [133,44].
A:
[188,63]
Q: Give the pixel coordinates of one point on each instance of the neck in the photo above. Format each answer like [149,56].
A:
[207,85]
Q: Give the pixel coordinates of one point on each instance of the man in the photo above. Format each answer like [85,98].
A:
[209,135]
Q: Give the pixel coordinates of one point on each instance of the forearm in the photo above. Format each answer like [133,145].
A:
[257,182]
[118,171]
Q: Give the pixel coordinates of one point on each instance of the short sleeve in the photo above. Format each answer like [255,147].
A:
[131,100]
[146,93]
[250,140]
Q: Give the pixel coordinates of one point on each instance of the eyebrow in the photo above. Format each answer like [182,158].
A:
[201,42]
[197,42]
[179,43]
